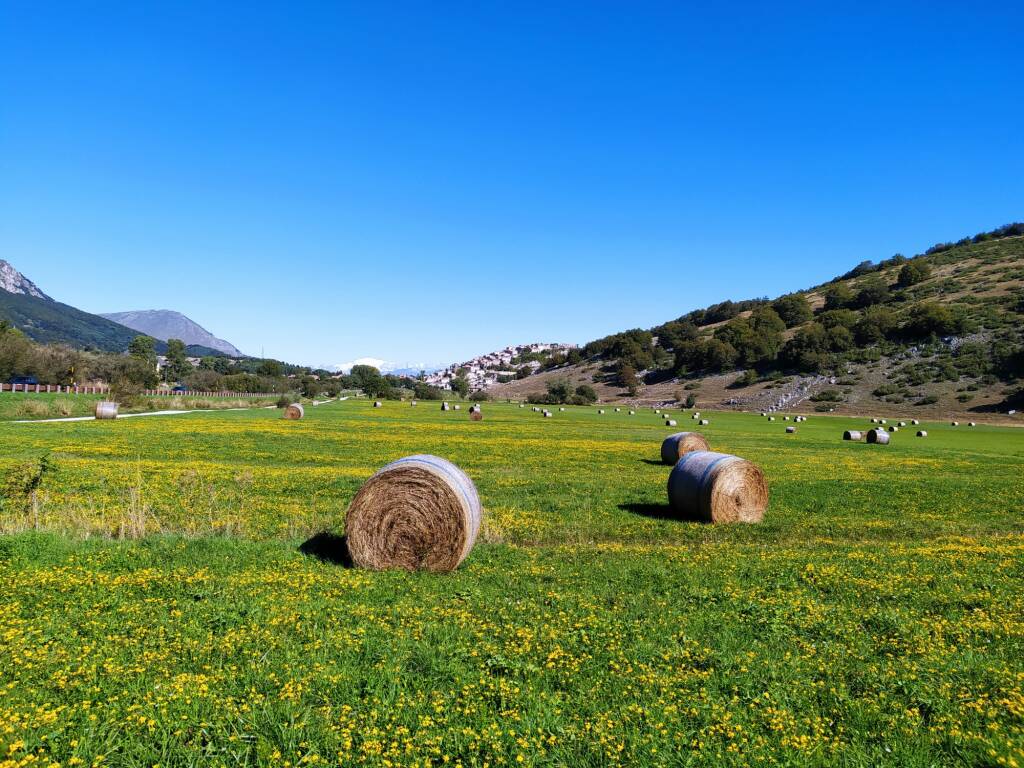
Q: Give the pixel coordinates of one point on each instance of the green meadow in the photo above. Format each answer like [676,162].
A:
[157,607]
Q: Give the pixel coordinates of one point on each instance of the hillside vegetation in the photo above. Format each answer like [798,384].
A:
[941,329]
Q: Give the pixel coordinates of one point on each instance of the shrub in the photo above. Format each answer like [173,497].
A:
[912,273]
[828,396]
[586,393]
[927,400]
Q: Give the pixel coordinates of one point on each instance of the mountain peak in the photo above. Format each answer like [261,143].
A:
[164,324]
[12,281]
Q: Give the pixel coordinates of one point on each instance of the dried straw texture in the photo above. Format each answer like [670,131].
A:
[674,447]
[475,415]
[106,409]
[852,434]
[420,512]
[879,436]
[717,488]
[294,411]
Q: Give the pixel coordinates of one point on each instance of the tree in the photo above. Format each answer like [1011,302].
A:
[929,318]
[627,378]
[586,393]
[838,296]
[143,348]
[872,291]
[271,368]
[912,273]
[793,308]
[177,366]
[876,324]
[559,390]
[460,385]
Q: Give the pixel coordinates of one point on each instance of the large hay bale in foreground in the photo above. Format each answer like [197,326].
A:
[106,409]
[879,436]
[420,512]
[852,434]
[295,411]
[674,447]
[717,488]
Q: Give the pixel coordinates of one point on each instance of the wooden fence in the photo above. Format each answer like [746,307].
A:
[102,389]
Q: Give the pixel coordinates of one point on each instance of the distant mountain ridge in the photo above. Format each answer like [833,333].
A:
[164,324]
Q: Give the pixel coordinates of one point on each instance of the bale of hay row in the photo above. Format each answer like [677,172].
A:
[703,422]
[547,414]
[106,409]
[790,430]
[879,436]
[476,415]
[771,418]
[852,434]
[674,447]
[445,407]
[954,423]
[632,413]
[670,422]
[717,488]
[294,411]
[600,410]
[915,422]
[420,512]
[902,424]
[922,433]
[971,424]
[378,404]
[458,407]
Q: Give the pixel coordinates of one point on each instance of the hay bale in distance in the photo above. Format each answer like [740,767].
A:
[717,488]
[922,433]
[670,422]
[674,447]
[476,415]
[295,411]
[915,422]
[852,434]
[458,407]
[954,423]
[902,424]
[600,410]
[703,422]
[771,418]
[378,404]
[894,428]
[445,407]
[632,413]
[420,512]
[971,424]
[106,409]
[413,403]
[879,436]
[790,430]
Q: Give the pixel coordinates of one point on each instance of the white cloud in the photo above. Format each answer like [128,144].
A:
[384,366]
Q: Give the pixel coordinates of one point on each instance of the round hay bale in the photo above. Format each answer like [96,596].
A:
[971,424]
[561,410]
[420,512]
[883,421]
[476,415]
[632,413]
[378,404]
[600,410]
[922,433]
[674,447]
[785,418]
[521,405]
[763,413]
[703,422]
[954,423]
[790,430]
[656,410]
[670,422]
[894,428]
[852,434]
[445,407]
[902,424]
[879,436]
[874,421]
[717,488]
[618,410]
[771,418]
[414,403]
[106,409]
[295,411]
[915,422]
[458,407]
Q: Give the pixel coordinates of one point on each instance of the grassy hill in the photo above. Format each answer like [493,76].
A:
[938,333]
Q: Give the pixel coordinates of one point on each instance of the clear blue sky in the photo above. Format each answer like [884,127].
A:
[428,181]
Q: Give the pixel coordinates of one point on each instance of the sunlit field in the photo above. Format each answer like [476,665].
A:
[155,607]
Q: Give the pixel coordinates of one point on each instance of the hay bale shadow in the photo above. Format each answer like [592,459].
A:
[658,511]
[328,547]
[653,463]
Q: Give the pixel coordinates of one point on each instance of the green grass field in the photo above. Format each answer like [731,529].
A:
[875,617]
